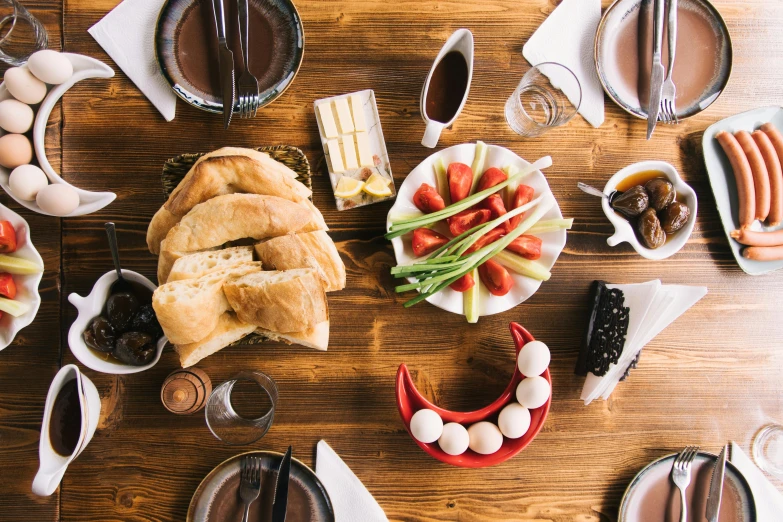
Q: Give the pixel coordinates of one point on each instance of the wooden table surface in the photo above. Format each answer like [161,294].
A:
[713,376]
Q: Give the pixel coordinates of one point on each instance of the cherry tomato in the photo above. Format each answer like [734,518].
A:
[7,237]
[7,286]
[463,284]
[491,177]
[490,237]
[526,246]
[467,219]
[495,277]
[428,200]
[460,181]
[494,204]
[522,196]
[426,241]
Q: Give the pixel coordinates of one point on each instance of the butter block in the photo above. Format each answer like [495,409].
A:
[359,122]
[327,119]
[335,156]
[344,119]
[363,144]
[350,152]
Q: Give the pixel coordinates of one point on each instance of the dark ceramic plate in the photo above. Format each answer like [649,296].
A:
[186,48]
[217,497]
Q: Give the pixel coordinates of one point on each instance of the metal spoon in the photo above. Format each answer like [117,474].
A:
[584,187]
[121,284]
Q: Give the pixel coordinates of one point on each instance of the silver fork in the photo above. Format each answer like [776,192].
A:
[250,482]
[668,112]
[248,84]
[681,476]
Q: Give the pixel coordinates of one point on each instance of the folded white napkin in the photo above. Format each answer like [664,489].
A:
[351,500]
[567,37]
[127,34]
[769,501]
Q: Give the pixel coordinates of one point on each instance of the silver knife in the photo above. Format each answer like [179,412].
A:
[657,71]
[281,488]
[716,487]
[226,61]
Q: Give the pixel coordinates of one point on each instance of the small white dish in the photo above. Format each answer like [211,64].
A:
[26,285]
[53,465]
[83,67]
[92,306]
[462,41]
[623,229]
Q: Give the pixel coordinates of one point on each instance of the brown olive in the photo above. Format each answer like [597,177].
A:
[100,335]
[650,229]
[674,217]
[145,321]
[632,202]
[120,309]
[661,193]
[136,348]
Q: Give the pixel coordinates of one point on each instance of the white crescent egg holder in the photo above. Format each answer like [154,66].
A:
[83,67]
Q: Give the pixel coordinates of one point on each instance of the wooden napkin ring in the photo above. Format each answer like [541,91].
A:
[186,391]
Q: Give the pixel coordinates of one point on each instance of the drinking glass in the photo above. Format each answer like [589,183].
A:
[768,449]
[548,95]
[228,425]
[21,34]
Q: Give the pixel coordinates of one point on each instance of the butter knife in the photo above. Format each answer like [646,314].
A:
[225,61]
[657,71]
[281,489]
[716,487]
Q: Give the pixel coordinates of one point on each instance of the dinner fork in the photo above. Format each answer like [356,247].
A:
[250,482]
[248,84]
[668,112]
[681,476]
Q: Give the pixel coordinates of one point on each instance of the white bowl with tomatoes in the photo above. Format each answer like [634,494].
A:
[500,287]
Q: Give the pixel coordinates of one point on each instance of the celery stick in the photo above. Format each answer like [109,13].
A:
[511,171]
[18,266]
[522,266]
[400,215]
[470,299]
[551,225]
[478,163]
[14,308]
[443,182]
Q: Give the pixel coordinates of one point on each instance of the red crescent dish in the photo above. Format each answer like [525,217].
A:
[409,401]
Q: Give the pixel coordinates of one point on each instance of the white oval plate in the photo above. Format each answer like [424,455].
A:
[524,287]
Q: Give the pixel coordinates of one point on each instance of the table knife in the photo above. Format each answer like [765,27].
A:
[716,487]
[656,72]
[225,61]
[281,488]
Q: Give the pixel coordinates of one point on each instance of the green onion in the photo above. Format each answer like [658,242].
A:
[495,222]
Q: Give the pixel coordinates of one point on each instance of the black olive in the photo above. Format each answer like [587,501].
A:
[120,309]
[136,348]
[661,193]
[650,229]
[632,202]
[100,335]
[146,321]
[674,217]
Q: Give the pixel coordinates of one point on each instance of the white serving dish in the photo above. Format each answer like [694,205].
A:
[90,307]
[524,287]
[83,67]
[623,229]
[26,285]
[724,185]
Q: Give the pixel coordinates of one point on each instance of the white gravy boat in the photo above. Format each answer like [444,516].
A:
[53,465]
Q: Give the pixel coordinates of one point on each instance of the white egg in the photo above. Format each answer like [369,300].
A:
[50,66]
[485,438]
[426,426]
[533,358]
[15,150]
[15,116]
[26,181]
[455,439]
[514,421]
[533,392]
[23,86]
[57,199]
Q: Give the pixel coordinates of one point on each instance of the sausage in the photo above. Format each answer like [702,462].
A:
[763,253]
[746,193]
[759,171]
[752,238]
[775,178]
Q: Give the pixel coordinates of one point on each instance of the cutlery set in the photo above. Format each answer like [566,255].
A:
[250,485]
[662,93]
[681,476]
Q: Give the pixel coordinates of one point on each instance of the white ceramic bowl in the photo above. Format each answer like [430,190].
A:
[26,285]
[623,229]
[90,307]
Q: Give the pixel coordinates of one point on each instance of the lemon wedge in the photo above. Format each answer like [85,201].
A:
[377,187]
[374,177]
[348,187]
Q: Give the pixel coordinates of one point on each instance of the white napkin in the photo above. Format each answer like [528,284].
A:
[127,34]
[769,501]
[567,37]
[351,500]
